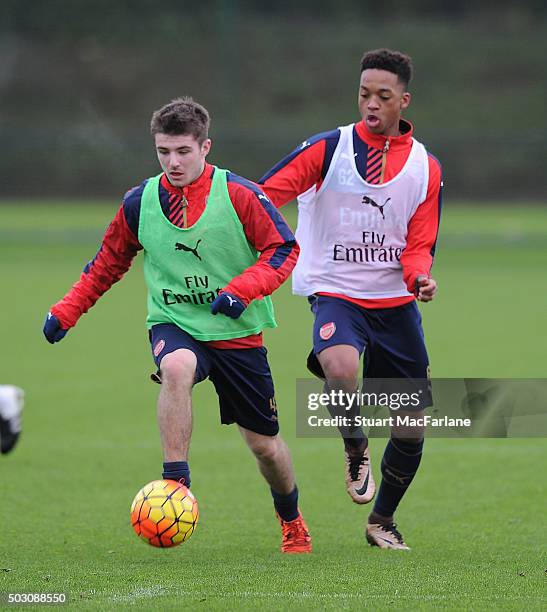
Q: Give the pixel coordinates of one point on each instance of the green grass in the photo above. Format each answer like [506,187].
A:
[474,516]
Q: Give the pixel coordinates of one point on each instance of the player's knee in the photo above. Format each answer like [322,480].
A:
[411,433]
[178,367]
[341,366]
[342,373]
[265,448]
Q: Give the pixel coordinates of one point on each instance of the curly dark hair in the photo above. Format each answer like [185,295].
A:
[393,61]
[181,116]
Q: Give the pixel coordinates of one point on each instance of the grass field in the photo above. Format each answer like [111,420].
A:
[475,515]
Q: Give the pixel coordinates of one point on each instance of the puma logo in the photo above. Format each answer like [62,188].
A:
[380,207]
[182,247]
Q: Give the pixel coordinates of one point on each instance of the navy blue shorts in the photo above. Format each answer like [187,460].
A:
[391,338]
[241,377]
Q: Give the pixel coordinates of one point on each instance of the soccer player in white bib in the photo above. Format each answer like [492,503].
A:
[369,199]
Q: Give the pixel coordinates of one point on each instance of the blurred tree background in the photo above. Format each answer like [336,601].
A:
[79,80]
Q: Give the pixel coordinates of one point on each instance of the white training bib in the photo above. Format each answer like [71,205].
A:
[351,233]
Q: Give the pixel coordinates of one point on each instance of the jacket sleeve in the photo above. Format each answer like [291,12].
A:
[269,233]
[114,257]
[417,258]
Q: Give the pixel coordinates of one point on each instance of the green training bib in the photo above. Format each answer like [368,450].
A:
[185,268]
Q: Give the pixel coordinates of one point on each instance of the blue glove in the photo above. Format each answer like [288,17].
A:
[53,330]
[228,304]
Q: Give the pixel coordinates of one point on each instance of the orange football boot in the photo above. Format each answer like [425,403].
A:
[296,537]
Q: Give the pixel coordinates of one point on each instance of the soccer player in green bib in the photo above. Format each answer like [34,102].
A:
[215,248]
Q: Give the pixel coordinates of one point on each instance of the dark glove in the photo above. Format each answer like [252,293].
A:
[228,304]
[53,330]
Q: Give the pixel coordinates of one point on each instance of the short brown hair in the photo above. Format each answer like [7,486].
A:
[181,116]
[393,61]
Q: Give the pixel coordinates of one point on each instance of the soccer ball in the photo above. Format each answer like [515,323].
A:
[164,513]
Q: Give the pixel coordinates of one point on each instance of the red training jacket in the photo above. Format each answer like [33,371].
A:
[264,228]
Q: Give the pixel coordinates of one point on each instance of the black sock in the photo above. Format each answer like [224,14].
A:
[399,466]
[177,470]
[286,505]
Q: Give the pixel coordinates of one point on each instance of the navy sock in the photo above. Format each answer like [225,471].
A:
[177,470]
[399,466]
[286,505]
